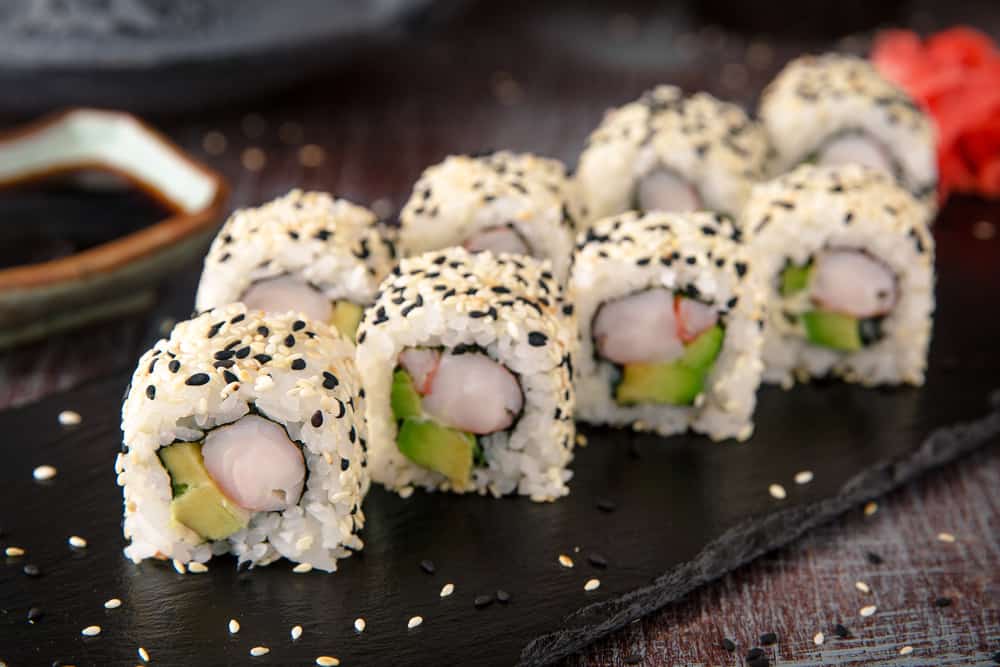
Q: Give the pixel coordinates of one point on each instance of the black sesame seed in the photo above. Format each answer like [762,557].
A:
[262,358]
[228,363]
[243,352]
[741,268]
[152,365]
[482,601]
[229,377]
[329,380]
[942,602]
[174,366]
[317,419]
[35,614]
[874,558]
[362,336]
[728,644]
[755,653]
[427,566]
[215,329]
[151,392]
[537,339]
[298,364]
[503,597]
[224,354]
[238,318]
[841,631]
[769,638]
[567,309]
[289,340]
[293,234]
[197,380]
[606,505]
[352,435]
[598,560]
[264,331]
[691,260]
[32,570]
[344,464]
[298,325]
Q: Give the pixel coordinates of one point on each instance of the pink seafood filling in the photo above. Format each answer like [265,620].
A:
[664,190]
[853,283]
[498,240]
[284,294]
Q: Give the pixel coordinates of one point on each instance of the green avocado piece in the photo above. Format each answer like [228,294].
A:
[833,330]
[670,383]
[439,448]
[794,279]
[701,353]
[197,501]
[405,399]
[346,317]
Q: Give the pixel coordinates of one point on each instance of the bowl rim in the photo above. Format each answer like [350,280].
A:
[110,255]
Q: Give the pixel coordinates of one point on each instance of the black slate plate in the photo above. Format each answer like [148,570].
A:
[687,511]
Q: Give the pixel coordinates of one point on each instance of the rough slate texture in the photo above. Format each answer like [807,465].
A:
[382,121]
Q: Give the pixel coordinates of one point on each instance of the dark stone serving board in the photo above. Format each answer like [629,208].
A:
[686,512]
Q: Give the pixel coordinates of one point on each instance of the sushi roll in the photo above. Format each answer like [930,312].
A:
[848,263]
[671,152]
[467,364]
[244,434]
[669,325]
[504,202]
[306,253]
[836,109]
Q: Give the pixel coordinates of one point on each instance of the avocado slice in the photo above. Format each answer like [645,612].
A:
[794,279]
[197,501]
[833,330]
[405,399]
[675,382]
[346,317]
[439,448]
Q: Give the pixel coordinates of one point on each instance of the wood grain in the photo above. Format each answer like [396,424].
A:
[539,79]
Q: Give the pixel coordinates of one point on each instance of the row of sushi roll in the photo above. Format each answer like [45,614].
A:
[655,288]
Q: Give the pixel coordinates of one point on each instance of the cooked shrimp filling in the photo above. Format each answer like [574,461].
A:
[665,190]
[856,148]
[286,293]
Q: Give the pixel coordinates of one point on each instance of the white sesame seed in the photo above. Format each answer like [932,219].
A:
[77,542]
[906,650]
[360,624]
[327,661]
[818,639]
[803,477]
[179,566]
[113,603]
[414,622]
[946,537]
[862,586]
[143,654]
[91,631]
[406,492]
[868,611]
[296,632]
[258,651]
[69,418]
[592,585]
[565,560]
[302,568]
[197,568]
[581,440]
[777,491]
[234,626]
[13,552]
[870,508]
[447,590]
[44,472]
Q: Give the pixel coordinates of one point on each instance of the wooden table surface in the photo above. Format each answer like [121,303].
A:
[538,79]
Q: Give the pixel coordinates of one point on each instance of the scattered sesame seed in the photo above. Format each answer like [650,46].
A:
[447,590]
[302,568]
[946,537]
[253,158]
[984,230]
[77,542]
[862,586]
[777,491]
[91,631]
[113,603]
[598,560]
[13,552]
[143,654]
[769,638]
[234,626]
[258,651]
[427,566]
[414,622]
[44,472]
[841,631]
[606,505]
[870,508]
[179,566]
[818,639]
[360,624]
[565,560]
[581,440]
[31,570]
[197,568]
[942,602]
[803,477]
[906,650]
[592,585]
[35,614]
[503,597]
[406,492]
[868,610]
[69,418]
[327,661]
[312,155]
[728,644]
[214,143]
[874,558]
[296,632]
[482,601]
